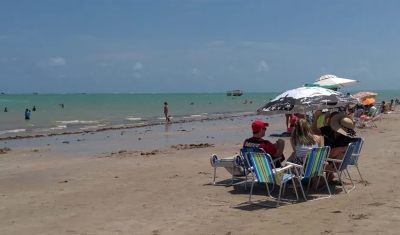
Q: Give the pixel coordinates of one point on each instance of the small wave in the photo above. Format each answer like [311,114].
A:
[92,127]
[163,118]
[196,115]
[131,118]
[12,131]
[58,127]
[76,122]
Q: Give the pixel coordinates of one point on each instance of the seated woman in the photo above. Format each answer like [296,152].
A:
[338,134]
[302,140]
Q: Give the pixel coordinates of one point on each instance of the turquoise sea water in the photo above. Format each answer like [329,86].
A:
[92,111]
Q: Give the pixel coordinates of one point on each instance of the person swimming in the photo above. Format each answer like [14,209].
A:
[34,108]
[27,114]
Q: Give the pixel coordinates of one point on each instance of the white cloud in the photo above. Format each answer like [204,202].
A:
[262,67]
[138,66]
[57,61]
[195,71]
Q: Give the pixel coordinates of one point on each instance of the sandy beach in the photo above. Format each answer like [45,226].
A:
[136,182]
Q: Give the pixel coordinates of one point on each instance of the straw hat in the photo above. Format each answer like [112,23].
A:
[343,124]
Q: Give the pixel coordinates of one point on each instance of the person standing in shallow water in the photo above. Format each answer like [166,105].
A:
[166,111]
[5,110]
[27,114]
[34,108]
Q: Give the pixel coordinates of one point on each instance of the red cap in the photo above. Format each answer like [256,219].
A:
[257,125]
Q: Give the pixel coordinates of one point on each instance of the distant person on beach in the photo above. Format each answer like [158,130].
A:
[287,116]
[275,150]
[166,112]
[383,106]
[34,108]
[27,114]
[5,110]
[292,120]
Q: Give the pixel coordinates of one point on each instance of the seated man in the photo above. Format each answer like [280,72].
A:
[372,111]
[257,141]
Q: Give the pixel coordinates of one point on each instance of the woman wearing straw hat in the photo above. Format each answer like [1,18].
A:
[337,134]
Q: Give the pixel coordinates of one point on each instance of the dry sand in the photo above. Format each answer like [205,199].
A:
[48,191]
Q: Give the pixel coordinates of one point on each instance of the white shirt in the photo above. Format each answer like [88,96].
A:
[372,110]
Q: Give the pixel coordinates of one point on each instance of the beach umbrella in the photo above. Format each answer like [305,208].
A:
[304,99]
[365,95]
[334,80]
[332,87]
[368,101]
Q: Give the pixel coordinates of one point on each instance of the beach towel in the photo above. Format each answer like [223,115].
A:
[283,134]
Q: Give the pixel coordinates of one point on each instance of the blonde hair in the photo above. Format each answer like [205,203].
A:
[302,133]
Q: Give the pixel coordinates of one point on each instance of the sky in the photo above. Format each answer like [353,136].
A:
[196,45]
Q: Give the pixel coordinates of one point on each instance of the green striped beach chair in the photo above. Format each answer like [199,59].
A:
[265,172]
[313,166]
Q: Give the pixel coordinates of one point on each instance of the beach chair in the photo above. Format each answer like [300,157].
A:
[265,172]
[232,164]
[369,121]
[343,166]
[356,155]
[246,163]
[313,166]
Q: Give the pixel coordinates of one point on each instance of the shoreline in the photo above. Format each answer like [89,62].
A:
[119,127]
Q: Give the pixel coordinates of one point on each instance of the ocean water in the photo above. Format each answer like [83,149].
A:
[94,111]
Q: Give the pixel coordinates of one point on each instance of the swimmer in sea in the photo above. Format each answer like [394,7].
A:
[27,114]
[5,110]
[34,108]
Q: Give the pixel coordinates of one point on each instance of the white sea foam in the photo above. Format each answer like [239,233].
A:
[92,127]
[163,118]
[76,122]
[12,131]
[132,118]
[58,127]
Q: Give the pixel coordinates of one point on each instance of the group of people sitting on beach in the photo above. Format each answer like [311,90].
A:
[337,134]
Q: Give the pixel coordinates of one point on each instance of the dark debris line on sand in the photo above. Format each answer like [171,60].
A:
[191,146]
[4,150]
[17,137]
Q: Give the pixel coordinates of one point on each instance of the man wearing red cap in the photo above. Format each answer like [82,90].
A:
[257,141]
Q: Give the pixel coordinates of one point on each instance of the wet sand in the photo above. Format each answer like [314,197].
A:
[111,182]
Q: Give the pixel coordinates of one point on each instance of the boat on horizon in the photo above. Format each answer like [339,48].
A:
[234,93]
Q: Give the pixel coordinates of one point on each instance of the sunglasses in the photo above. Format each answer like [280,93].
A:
[264,128]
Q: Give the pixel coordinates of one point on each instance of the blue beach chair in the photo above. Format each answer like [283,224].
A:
[356,155]
[343,166]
